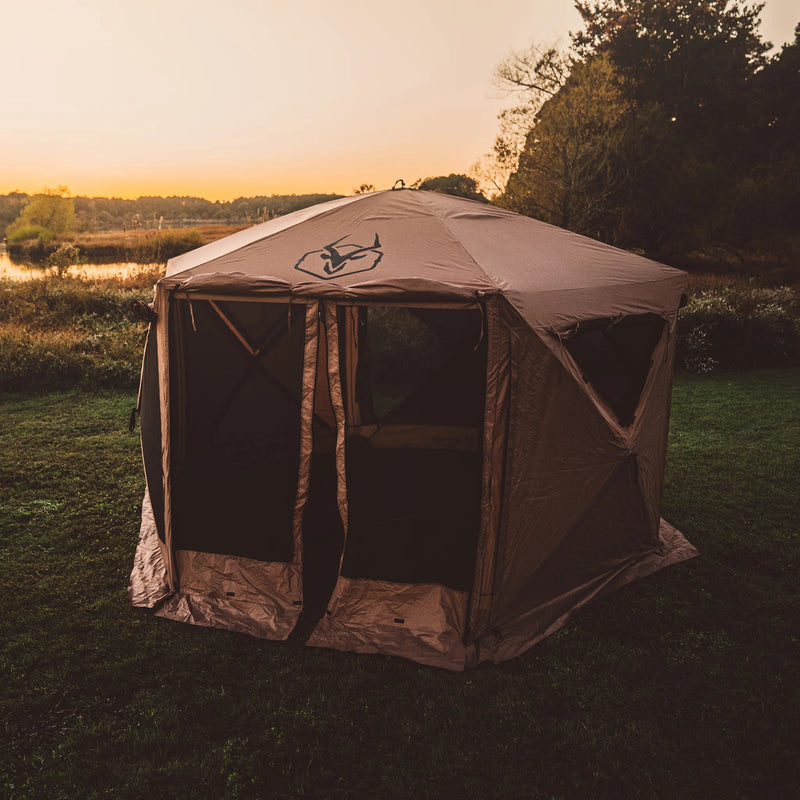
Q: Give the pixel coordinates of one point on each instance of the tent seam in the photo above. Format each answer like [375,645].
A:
[460,245]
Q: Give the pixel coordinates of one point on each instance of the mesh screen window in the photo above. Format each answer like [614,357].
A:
[235,479]
[414,500]
[615,357]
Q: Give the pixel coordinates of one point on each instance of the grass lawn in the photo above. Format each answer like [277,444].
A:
[683,685]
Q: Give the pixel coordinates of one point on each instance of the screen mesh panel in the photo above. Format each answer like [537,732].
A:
[413,446]
[235,479]
[614,356]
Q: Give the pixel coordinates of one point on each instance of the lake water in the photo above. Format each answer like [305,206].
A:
[22,271]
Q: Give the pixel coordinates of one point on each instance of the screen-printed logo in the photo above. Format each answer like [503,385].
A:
[337,259]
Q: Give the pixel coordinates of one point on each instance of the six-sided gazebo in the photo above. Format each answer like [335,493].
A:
[431,427]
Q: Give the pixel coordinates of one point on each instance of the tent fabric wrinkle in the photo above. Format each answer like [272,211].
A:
[428,427]
[148,585]
[424,622]
[260,598]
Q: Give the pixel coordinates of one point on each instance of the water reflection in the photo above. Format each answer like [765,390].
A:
[13,271]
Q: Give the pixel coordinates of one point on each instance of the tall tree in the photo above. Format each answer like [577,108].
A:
[770,196]
[10,207]
[46,214]
[696,59]
[691,68]
[531,76]
[568,170]
[693,143]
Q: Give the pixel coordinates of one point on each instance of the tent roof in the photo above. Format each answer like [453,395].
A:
[389,243]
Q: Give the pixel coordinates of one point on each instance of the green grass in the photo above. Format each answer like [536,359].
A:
[682,685]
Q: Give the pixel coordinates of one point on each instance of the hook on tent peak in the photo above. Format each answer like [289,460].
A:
[401,182]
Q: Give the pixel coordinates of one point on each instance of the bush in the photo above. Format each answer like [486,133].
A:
[65,256]
[739,327]
[65,303]
[29,233]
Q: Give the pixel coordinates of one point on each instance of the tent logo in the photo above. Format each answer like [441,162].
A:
[336,259]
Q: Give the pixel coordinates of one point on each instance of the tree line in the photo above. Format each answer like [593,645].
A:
[664,126]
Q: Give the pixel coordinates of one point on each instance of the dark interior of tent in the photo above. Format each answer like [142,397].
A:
[614,355]
[413,445]
[413,387]
[236,419]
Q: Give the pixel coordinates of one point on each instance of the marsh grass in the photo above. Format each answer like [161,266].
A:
[141,245]
[682,685]
[57,332]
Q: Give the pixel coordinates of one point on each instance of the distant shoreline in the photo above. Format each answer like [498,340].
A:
[138,245]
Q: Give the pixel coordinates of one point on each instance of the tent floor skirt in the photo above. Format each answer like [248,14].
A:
[422,622]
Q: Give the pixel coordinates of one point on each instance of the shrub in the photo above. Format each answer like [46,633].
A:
[64,303]
[65,256]
[739,327]
[29,233]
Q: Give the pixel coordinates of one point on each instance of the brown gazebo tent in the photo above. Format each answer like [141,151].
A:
[432,427]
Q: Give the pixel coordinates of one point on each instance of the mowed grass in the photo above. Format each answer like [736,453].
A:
[682,685]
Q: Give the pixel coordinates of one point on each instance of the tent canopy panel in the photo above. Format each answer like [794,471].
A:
[374,243]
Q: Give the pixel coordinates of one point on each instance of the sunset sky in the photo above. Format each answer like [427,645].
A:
[249,97]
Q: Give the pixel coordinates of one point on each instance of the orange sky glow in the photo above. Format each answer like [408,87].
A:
[261,97]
